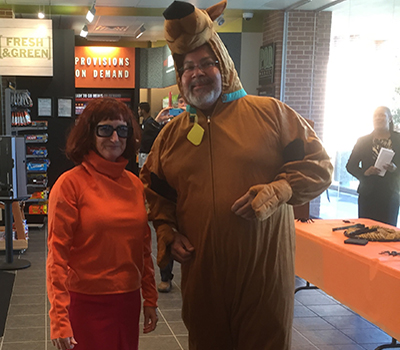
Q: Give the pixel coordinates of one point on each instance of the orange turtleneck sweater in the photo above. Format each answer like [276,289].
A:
[98,237]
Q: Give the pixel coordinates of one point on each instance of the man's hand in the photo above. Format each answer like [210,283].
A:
[163,116]
[150,319]
[372,171]
[64,343]
[181,249]
[242,207]
[261,201]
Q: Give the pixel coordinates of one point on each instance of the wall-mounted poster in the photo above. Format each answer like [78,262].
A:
[44,107]
[65,107]
[26,47]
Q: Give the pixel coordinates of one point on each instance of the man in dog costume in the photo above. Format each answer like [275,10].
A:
[221,180]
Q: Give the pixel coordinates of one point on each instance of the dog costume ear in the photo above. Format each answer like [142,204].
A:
[187,27]
[216,10]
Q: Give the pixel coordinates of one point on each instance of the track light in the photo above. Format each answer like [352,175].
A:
[41,13]
[140,31]
[84,31]
[91,13]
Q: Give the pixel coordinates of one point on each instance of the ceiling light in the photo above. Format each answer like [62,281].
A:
[41,12]
[84,31]
[220,20]
[91,13]
[140,31]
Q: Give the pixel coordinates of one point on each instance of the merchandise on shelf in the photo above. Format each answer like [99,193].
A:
[39,195]
[40,123]
[37,137]
[37,179]
[21,118]
[36,151]
[38,209]
[41,165]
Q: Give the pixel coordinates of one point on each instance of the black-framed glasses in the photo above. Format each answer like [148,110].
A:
[205,65]
[106,130]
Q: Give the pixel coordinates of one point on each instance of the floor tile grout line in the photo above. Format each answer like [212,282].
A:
[166,322]
[316,347]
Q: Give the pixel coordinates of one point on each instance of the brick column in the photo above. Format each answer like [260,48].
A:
[306,64]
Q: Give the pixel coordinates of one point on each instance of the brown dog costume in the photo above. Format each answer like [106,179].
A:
[238,288]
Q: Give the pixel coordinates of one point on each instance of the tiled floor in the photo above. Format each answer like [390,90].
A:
[320,322]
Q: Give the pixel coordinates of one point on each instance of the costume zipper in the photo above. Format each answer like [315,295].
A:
[212,168]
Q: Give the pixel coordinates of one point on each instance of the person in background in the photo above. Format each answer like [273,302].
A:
[152,127]
[144,113]
[150,133]
[99,261]
[220,182]
[378,196]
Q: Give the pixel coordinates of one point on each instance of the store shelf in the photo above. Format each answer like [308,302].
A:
[123,99]
[36,200]
[35,141]
[36,172]
[33,156]
[28,128]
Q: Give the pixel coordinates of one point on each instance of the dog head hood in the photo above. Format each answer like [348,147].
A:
[186,28]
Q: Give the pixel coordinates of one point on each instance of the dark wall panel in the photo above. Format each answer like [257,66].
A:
[62,84]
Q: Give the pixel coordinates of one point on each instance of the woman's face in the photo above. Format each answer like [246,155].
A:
[111,147]
[381,120]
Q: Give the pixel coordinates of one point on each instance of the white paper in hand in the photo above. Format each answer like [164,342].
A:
[385,157]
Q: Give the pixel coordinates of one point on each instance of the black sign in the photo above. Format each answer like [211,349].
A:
[266,65]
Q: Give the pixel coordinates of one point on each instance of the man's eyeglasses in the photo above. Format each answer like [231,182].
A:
[189,68]
[105,130]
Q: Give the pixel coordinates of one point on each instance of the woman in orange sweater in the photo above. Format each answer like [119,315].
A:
[99,262]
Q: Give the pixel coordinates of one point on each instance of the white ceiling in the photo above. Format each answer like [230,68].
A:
[122,18]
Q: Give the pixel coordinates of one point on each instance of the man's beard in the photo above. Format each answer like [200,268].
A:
[205,99]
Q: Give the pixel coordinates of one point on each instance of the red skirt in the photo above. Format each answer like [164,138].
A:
[105,322]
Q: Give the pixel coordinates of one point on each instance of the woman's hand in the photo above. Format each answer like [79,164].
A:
[390,167]
[64,343]
[150,319]
[372,171]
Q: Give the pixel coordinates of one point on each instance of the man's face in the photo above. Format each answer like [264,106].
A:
[140,112]
[201,86]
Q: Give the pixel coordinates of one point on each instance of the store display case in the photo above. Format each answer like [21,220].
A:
[36,163]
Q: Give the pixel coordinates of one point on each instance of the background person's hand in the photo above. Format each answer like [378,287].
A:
[163,115]
[372,171]
[390,167]
[150,319]
[64,343]
[181,249]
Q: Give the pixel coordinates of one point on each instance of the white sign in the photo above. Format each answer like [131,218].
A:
[26,47]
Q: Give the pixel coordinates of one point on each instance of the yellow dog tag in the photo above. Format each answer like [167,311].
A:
[195,134]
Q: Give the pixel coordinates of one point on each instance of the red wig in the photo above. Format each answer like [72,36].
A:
[82,137]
